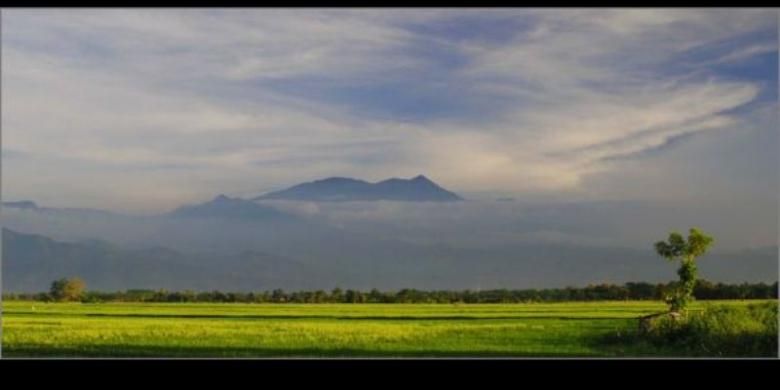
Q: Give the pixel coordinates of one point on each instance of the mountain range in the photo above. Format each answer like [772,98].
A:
[334,189]
[341,189]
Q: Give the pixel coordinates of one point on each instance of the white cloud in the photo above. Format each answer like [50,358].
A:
[140,94]
[744,53]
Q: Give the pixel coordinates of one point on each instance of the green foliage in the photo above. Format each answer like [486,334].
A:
[676,248]
[278,295]
[336,294]
[67,289]
[720,330]
[599,292]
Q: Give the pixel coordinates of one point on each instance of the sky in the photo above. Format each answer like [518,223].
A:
[144,110]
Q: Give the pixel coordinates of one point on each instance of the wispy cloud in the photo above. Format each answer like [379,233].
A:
[520,101]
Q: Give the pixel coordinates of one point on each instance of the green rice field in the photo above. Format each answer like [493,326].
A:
[581,329]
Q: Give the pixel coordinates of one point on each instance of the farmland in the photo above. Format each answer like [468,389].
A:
[33,329]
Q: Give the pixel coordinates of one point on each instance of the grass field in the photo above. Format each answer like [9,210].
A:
[32,329]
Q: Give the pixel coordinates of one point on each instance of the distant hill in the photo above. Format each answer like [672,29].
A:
[27,205]
[31,262]
[230,208]
[23,204]
[335,189]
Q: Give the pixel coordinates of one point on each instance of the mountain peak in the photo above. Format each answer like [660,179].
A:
[338,179]
[421,179]
[221,198]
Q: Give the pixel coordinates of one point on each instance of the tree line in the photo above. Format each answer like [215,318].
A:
[703,290]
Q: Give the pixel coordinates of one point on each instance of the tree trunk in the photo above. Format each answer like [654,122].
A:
[646,322]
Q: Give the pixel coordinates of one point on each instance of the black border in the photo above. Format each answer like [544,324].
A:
[393,373]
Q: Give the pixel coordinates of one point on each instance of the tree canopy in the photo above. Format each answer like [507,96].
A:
[67,289]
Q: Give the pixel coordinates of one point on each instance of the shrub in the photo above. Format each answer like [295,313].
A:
[721,330]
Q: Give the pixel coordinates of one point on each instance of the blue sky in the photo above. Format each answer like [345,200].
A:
[148,109]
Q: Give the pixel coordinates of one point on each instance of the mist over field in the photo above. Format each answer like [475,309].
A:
[387,245]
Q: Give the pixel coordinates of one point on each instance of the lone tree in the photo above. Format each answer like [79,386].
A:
[677,248]
[67,289]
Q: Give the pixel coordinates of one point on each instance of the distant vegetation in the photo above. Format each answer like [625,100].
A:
[703,290]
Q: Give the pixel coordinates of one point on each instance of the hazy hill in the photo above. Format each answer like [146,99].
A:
[237,244]
[32,262]
[22,204]
[27,205]
[234,208]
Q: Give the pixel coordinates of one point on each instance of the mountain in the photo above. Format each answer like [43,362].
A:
[224,207]
[418,189]
[23,204]
[31,262]
[27,205]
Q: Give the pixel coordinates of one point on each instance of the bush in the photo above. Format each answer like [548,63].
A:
[721,330]
[91,298]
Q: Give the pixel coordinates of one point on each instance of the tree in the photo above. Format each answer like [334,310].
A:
[350,296]
[278,295]
[337,295]
[677,248]
[320,296]
[67,289]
